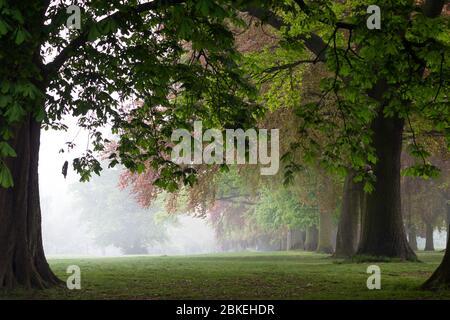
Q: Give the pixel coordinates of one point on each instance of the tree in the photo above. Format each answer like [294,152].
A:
[407,186]
[408,75]
[424,200]
[115,219]
[430,207]
[347,238]
[327,200]
[175,56]
[278,209]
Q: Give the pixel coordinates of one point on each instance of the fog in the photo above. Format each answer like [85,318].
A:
[65,232]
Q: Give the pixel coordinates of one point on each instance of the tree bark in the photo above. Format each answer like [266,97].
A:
[297,239]
[407,190]
[302,239]
[22,259]
[333,237]
[349,221]
[429,244]
[282,246]
[311,240]
[412,237]
[288,239]
[325,231]
[383,233]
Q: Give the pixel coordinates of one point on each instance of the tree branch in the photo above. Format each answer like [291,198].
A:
[82,39]
[433,8]
[303,6]
[288,66]
[340,24]
[249,203]
[312,41]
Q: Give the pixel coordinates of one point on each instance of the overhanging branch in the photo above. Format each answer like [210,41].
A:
[82,39]
[288,66]
[312,41]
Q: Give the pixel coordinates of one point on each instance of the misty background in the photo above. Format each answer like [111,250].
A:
[67,231]
[72,224]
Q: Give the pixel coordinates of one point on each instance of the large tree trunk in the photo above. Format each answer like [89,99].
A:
[429,244]
[412,237]
[349,221]
[288,239]
[311,240]
[383,233]
[325,231]
[22,259]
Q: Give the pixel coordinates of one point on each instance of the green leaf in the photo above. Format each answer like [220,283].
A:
[5,100]
[425,171]
[21,35]
[17,15]
[6,150]
[94,33]
[4,27]
[372,158]
[14,113]
[368,187]
[6,85]
[39,115]
[140,168]
[6,179]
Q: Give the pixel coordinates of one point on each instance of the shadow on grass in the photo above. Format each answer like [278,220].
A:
[366,259]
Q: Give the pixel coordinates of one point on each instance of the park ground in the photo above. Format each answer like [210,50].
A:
[274,275]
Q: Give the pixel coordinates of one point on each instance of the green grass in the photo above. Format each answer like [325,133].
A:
[274,275]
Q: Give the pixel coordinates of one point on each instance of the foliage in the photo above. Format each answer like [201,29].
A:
[115,219]
[175,56]
[399,71]
[280,209]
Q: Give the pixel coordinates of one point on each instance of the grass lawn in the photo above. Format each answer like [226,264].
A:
[274,275]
